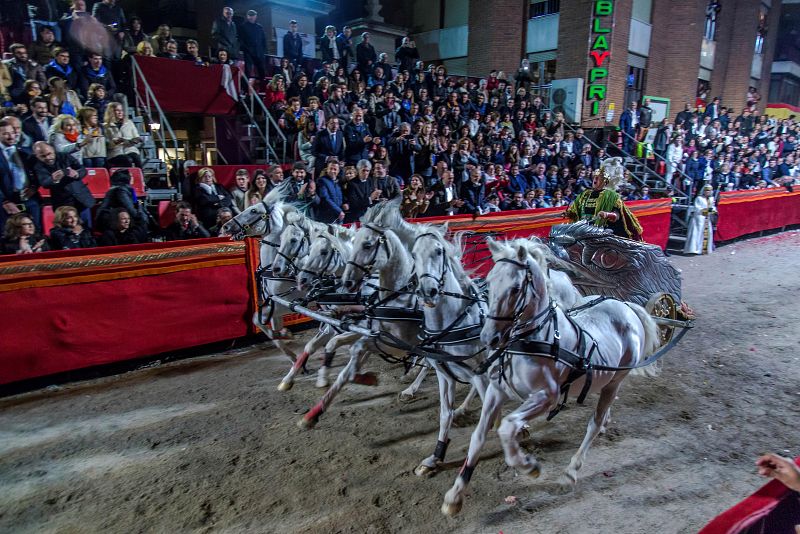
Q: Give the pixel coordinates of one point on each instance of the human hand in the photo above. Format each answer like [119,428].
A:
[429,195]
[38,246]
[10,207]
[781,469]
[345,207]
[72,173]
[57,175]
[341,216]
[375,195]
[367,139]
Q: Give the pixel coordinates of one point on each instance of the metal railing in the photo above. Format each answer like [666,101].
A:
[659,157]
[147,103]
[252,103]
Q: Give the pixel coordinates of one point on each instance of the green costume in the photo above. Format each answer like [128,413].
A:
[590,202]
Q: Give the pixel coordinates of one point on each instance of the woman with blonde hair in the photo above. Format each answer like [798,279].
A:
[68,231]
[66,137]
[122,138]
[145,49]
[210,197]
[94,151]
[159,41]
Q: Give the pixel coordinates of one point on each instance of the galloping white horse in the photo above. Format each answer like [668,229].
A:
[267,219]
[611,333]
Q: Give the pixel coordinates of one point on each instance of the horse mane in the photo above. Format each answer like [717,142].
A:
[299,218]
[387,215]
[278,194]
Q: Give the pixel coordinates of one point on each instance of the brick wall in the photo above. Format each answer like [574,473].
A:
[675,43]
[496,36]
[734,74]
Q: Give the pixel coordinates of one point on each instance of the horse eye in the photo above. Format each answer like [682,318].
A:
[515,289]
[439,251]
[323,253]
[293,240]
[367,245]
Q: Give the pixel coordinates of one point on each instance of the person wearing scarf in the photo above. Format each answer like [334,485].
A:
[95,72]
[61,68]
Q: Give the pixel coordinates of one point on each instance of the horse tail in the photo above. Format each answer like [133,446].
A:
[652,341]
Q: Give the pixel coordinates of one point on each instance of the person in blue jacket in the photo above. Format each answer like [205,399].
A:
[331,206]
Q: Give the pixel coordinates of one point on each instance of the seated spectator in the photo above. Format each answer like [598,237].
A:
[516,202]
[193,53]
[134,35]
[61,99]
[223,215]
[492,203]
[292,119]
[239,191]
[42,49]
[305,144]
[145,49]
[186,225]
[20,236]
[301,89]
[558,199]
[360,192]
[125,230]
[21,69]
[60,67]
[122,138]
[67,139]
[170,50]
[539,200]
[68,231]
[97,99]
[94,151]
[209,197]
[95,72]
[286,69]
[329,143]
[120,195]
[445,199]
[222,58]
[63,175]
[33,90]
[275,96]
[258,189]
[18,189]
[387,185]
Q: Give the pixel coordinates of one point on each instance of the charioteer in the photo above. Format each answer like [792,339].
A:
[603,205]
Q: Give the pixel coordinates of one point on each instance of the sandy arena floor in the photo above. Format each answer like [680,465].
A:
[210,445]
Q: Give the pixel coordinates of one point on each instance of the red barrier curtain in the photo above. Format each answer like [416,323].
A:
[747,212]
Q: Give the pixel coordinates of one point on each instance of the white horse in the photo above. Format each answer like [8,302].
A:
[267,220]
[622,334]
[454,312]
[386,252]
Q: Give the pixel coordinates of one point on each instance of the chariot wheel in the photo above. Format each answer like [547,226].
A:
[663,305]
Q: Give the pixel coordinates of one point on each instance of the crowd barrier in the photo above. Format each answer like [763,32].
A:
[747,212]
[70,310]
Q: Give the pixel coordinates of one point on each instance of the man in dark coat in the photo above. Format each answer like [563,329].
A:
[18,190]
[406,55]
[360,193]
[359,138]
[95,72]
[445,200]
[37,124]
[332,206]
[225,34]
[22,68]
[254,46]
[293,45]
[60,68]
[185,225]
[366,57]
[63,175]
[327,143]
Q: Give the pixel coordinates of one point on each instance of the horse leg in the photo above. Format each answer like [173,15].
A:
[408,393]
[310,348]
[358,354]
[447,392]
[330,350]
[493,403]
[478,388]
[513,424]
[596,423]
[276,324]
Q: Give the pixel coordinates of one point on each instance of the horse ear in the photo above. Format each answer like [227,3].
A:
[445,227]
[331,230]
[522,252]
[494,247]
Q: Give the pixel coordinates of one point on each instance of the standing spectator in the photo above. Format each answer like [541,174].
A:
[109,13]
[387,185]
[336,106]
[293,46]
[95,72]
[68,232]
[18,190]
[60,67]
[186,225]
[120,195]
[224,33]
[358,139]
[415,199]
[73,30]
[445,199]
[37,124]
[122,137]
[22,68]
[209,197]
[239,191]
[406,55]
[674,156]
[305,144]
[645,118]
[332,206]
[159,40]
[134,35]
[402,147]
[366,57]
[328,46]
[254,46]
[628,123]
[345,42]
[473,193]
[62,100]
[327,143]
[360,193]
[301,89]
[21,236]
[42,49]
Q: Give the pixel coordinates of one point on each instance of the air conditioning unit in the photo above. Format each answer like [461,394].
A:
[566,96]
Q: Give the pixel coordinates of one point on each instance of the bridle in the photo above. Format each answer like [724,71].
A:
[325,268]
[538,321]
[245,227]
[439,281]
[367,269]
[291,256]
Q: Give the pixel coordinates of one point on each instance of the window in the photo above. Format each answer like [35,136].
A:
[712,14]
[543,74]
[761,31]
[634,86]
[540,8]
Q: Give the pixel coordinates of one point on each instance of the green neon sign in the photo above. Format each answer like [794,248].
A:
[599,54]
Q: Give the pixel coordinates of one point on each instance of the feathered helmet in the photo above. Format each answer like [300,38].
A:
[613,173]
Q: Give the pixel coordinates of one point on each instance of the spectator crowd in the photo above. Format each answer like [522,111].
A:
[360,129]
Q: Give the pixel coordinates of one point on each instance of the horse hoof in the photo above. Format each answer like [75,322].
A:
[423,470]
[285,386]
[366,379]
[322,383]
[451,509]
[286,334]
[405,397]
[306,424]
[536,472]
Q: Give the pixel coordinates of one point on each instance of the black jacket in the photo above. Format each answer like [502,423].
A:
[206,205]
[68,191]
[65,239]
[293,46]
[226,36]
[175,232]
[439,205]
[253,39]
[357,196]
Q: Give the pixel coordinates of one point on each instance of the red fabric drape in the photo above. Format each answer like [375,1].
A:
[746,212]
[183,87]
